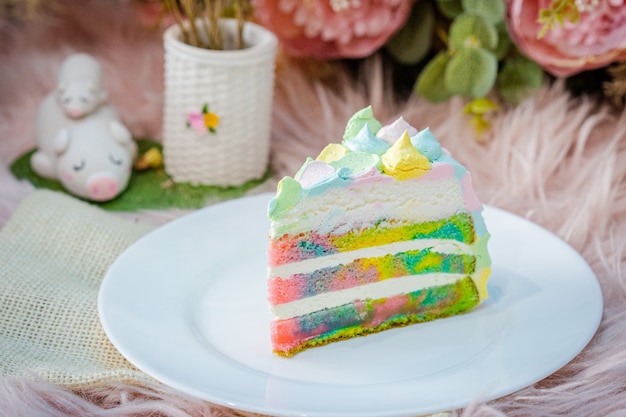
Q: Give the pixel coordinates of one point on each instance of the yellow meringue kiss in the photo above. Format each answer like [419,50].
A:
[332,153]
[402,161]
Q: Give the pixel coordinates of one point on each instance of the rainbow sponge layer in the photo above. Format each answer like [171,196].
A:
[379,231]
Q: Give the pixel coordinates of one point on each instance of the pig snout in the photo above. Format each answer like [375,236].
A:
[74,112]
[102,187]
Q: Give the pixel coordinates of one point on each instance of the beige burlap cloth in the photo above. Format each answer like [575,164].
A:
[54,252]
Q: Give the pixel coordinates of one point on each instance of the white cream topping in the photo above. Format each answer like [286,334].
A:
[309,265]
[376,290]
[340,210]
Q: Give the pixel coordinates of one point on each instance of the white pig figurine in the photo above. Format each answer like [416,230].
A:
[79,90]
[95,158]
[74,123]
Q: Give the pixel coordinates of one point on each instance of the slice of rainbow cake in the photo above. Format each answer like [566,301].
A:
[382,230]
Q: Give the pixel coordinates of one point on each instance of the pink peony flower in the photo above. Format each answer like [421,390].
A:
[596,40]
[152,13]
[326,29]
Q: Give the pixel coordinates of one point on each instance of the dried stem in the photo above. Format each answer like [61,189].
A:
[204,16]
[213,13]
[240,15]
[190,12]
[172,6]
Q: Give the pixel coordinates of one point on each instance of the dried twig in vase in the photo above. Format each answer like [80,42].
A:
[242,12]
[213,11]
[203,29]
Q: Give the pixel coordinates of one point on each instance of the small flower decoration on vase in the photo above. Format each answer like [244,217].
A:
[203,121]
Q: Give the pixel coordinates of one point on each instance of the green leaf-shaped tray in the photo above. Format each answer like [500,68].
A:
[152,189]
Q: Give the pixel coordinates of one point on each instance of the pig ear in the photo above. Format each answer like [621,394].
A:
[62,141]
[119,132]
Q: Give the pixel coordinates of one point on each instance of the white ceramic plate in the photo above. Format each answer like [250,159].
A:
[186,304]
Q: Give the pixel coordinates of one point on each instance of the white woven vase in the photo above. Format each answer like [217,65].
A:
[237,85]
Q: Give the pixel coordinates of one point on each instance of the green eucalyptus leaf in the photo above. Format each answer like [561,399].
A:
[449,8]
[492,10]
[430,83]
[411,44]
[518,78]
[504,42]
[471,72]
[471,30]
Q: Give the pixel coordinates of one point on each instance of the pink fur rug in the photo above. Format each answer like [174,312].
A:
[556,160]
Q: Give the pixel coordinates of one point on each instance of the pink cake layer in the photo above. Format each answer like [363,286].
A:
[363,317]
[366,271]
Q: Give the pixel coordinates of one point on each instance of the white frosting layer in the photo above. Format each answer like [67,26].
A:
[376,290]
[310,265]
[340,210]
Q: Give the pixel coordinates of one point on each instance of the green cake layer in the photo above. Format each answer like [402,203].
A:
[294,248]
